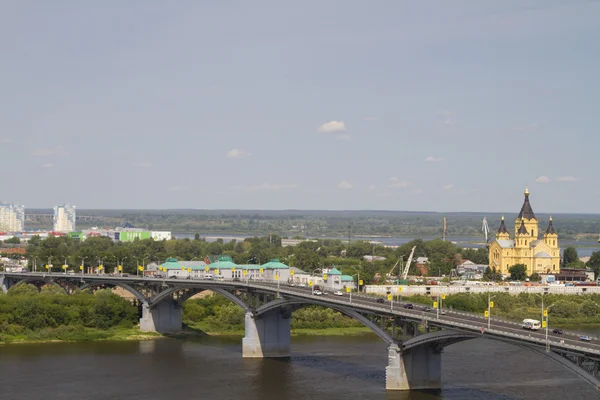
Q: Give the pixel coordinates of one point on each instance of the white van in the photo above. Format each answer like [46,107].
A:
[531,324]
[208,276]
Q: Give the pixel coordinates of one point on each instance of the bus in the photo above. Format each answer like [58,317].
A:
[531,324]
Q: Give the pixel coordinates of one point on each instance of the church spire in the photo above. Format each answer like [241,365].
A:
[522,230]
[502,228]
[526,210]
[550,229]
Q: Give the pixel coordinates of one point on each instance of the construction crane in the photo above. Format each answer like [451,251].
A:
[389,274]
[486,230]
[407,266]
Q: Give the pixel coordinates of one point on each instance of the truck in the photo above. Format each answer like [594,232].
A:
[531,324]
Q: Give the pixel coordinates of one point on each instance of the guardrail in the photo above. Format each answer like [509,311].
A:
[410,290]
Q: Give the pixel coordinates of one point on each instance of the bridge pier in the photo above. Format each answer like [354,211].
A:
[162,317]
[267,335]
[419,368]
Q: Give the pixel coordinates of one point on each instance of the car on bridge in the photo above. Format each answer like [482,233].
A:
[557,331]
[585,338]
[427,308]
[338,293]
[318,293]
[410,306]
[380,300]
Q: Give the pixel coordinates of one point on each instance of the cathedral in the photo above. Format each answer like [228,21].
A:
[539,255]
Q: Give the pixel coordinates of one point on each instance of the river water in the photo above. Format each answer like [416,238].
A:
[320,368]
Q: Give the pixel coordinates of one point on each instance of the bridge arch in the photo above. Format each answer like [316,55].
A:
[296,304]
[40,281]
[125,286]
[165,294]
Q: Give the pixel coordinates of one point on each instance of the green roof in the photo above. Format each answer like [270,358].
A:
[275,264]
[224,262]
[249,266]
[347,278]
[334,271]
[171,263]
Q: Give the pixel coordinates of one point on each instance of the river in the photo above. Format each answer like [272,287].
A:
[320,368]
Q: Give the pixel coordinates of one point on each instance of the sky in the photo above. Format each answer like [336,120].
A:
[315,104]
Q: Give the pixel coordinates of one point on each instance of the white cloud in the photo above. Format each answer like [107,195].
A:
[47,165]
[5,140]
[542,179]
[434,159]
[54,151]
[344,185]
[449,186]
[141,164]
[271,187]
[343,137]
[567,179]
[237,153]
[370,188]
[397,183]
[332,126]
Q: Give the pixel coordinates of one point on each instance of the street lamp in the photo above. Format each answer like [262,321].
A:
[65,266]
[547,312]
[49,266]
[100,266]
[120,266]
[82,266]
[541,294]
[490,304]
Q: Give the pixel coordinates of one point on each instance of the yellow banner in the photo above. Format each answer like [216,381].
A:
[486,314]
[435,304]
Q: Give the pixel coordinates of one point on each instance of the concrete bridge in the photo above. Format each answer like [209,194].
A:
[415,338]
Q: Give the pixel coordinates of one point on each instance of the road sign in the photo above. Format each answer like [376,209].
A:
[491,304]
[277,277]
[486,314]
[546,312]
[443,296]
[347,289]
[360,282]
[261,270]
[324,277]
[543,324]
[81,267]
[120,268]
[435,304]
[309,283]
[389,297]
[245,271]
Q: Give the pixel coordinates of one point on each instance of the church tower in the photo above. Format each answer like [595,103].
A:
[502,233]
[527,218]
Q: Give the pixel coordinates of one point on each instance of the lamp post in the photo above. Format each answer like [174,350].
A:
[49,265]
[120,266]
[65,266]
[490,310]
[82,267]
[100,266]
[542,295]
[547,312]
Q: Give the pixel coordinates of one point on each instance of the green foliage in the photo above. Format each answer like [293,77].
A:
[570,255]
[594,263]
[576,264]
[518,272]
[47,314]
[13,240]
[535,277]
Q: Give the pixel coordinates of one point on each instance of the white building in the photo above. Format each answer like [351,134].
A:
[12,217]
[64,218]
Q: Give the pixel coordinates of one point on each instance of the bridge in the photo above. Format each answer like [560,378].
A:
[415,338]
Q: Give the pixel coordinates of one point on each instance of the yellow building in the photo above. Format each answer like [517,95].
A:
[539,255]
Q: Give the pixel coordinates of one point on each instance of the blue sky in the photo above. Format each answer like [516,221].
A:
[394,105]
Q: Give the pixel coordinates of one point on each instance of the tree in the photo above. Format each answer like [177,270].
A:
[518,272]
[535,277]
[570,255]
[594,263]
[196,236]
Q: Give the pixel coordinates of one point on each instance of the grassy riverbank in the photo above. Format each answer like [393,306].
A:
[203,328]
[78,334]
